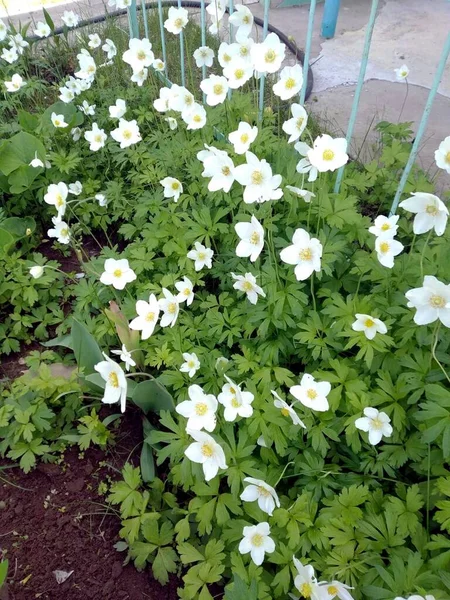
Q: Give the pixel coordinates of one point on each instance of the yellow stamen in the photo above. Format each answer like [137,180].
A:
[437,301]
[384,247]
[257,540]
[118,273]
[290,83]
[113,379]
[270,56]
[201,408]
[257,178]
[312,394]
[218,89]
[207,450]
[328,155]
[305,254]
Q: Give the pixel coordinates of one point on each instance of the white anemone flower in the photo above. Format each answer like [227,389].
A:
[125,356]
[387,249]
[70,19]
[262,492]
[56,195]
[42,30]
[177,19]
[305,194]
[127,133]
[268,56]
[148,314]
[442,155]
[185,291]
[216,11]
[312,393]
[15,84]
[376,423]
[287,410]
[215,87]
[206,451]
[172,188]
[66,95]
[110,48]
[252,239]
[96,137]
[139,76]
[416,597]
[296,126]
[290,82]
[385,227]
[101,199]
[117,110]
[18,42]
[86,108]
[431,301]
[158,64]
[36,162]
[402,73]
[75,133]
[328,154]
[60,231]
[190,366]
[37,271]
[238,72]
[305,253]
[243,48]
[220,169]
[430,212]
[173,123]
[3,30]
[201,255]
[161,104]
[204,56]
[244,135]
[247,284]
[257,541]
[115,382]
[58,120]
[139,54]
[369,325]
[304,165]
[335,589]
[260,184]
[194,117]
[180,98]
[242,19]
[75,188]
[10,55]
[236,402]
[117,273]
[95,40]
[87,66]
[200,410]
[306,582]
[226,53]
[170,307]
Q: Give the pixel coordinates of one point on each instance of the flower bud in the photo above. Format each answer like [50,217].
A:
[36,271]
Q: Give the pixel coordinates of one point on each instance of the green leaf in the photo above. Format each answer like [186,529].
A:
[86,350]
[27,121]
[147,463]
[165,562]
[63,340]
[19,151]
[152,396]
[189,554]
[48,19]
[239,590]
[3,571]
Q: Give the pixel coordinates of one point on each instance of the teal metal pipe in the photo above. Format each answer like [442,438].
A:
[312,10]
[183,75]
[163,36]
[144,16]
[330,17]
[203,32]
[262,80]
[132,19]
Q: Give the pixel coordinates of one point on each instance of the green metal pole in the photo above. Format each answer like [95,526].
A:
[144,16]
[312,10]
[263,77]
[163,37]
[132,20]
[183,75]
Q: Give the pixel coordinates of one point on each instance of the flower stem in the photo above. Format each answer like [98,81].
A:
[433,350]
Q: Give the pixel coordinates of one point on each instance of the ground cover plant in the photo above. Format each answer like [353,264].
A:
[287,345]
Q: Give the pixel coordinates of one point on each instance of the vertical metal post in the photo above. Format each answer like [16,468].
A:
[423,123]
[330,17]
[144,16]
[263,77]
[312,10]
[163,37]
[183,77]
[203,31]
[230,33]
[362,72]
[132,20]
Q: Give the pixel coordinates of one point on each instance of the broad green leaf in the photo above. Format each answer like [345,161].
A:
[19,151]
[152,396]
[165,562]
[147,463]
[86,350]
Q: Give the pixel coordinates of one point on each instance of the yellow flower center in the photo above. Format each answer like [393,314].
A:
[257,178]
[285,412]
[263,492]
[232,391]
[191,365]
[376,423]
[246,20]
[235,402]
[201,256]
[244,138]
[175,185]
[247,286]
[384,247]
[98,138]
[91,69]
[404,73]
[306,590]
[201,408]
[204,53]
[257,540]
[187,291]
[127,135]
[239,73]
[178,23]
[218,89]
[226,171]
[270,56]
[255,238]
[243,50]
[118,273]
[188,99]
[290,83]
[59,200]
[305,254]
[332,590]
[64,232]
[432,209]
[207,450]
[197,118]
[150,317]
[141,55]
[312,394]
[226,58]
[437,301]
[447,158]
[385,227]
[299,122]
[57,121]
[369,323]
[172,308]
[113,379]
[328,155]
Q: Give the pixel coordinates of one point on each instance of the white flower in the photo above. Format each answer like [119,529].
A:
[117,110]
[200,410]
[139,54]
[177,20]
[117,273]
[66,95]
[115,382]
[263,492]
[256,540]
[305,194]
[3,30]
[442,155]
[125,355]
[335,589]
[247,284]
[206,451]
[306,582]
[252,239]
[148,313]
[287,410]
[75,188]
[402,73]
[303,165]
[110,48]
[179,98]
[96,137]
[386,249]
[432,302]
[290,82]
[58,120]
[238,72]
[75,133]
[127,133]
[18,43]
[268,56]
[15,84]
[328,154]
[191,366]
[385,227]
[416,597]
[101,198]
[173,123]
[376,423]
[10,55]
[139,76]
[369,325]
[70,19]
[215,87]
[244,135]
[201,255]
[57,195]
[74,85]
[225,54]
[220,168]
[256,176]
[195,117]
[86,108]
[236,402]
[94,40]
[42,30]
[172,188]
[241,18]
[305,253]
[312,393]
[170,307]
[216,10]
[158,64]
[60,231]
[243,48]
[204,56]
[430,212]
[296,126]
[87,66]
[36,271]
[186,290]
[36,162]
